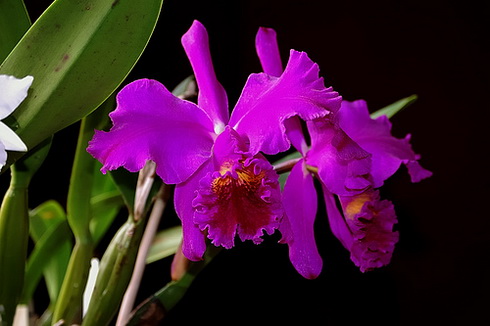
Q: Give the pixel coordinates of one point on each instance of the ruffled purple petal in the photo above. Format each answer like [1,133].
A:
[343,166]
[374,136]
[241,197]
[212,96]
[150,123]
[266,102]
[300,205]
[371,222]
[193,239]
[268,51]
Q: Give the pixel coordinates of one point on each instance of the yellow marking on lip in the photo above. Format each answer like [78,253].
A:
[355,205]
[225,167]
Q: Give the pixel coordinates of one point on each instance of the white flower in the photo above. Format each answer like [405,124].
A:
[12,92]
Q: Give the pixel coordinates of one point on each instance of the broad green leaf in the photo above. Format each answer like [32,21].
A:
[44,219]
[14,22]
[78,51]
[126,184]
[45,216]
[105,208]
[51,249]
[164,244]
[394,108]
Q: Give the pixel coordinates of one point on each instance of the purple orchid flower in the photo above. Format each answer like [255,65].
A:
[351,154]
[224,185]
[366,226]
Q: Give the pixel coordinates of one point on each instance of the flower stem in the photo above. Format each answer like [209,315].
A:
[14,230]
[151,228]
[69,304]
[286,166]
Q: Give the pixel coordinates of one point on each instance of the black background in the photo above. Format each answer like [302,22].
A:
[379,51]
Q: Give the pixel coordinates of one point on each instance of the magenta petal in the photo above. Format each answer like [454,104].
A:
[193,244]
[241,197]
[371,222]
[417,173]
[268,51]
[336,220]
[343,167]
[266,102]
[212,96]
[150,123]
[374,136]
[300,205]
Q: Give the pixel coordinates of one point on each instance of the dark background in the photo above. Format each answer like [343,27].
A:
[379,51]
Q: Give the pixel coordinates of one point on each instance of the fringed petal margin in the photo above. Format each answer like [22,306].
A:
[150,123]
[371,222]
[267,101]
[241,197]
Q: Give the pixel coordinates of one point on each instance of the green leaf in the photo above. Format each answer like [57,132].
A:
[14,22]
[165,244]
[105,208]
[44,219]
[394,108]
[52,248]
[78,51]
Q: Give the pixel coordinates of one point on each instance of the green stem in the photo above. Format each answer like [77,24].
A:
[69,304]
[115,272]
[14,235]
[140,264]
[14,230]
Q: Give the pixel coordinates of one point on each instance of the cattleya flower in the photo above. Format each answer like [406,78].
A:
[351,154]
[12,92]
[224,185]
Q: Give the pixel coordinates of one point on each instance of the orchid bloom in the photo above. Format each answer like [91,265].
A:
[224,185]
[12,92]
[366,226]
[351,154]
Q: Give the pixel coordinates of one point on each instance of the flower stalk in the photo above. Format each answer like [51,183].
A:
[69,305]
[14,230]
[79,214]
[14,233]
[116,266]
[151,228]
